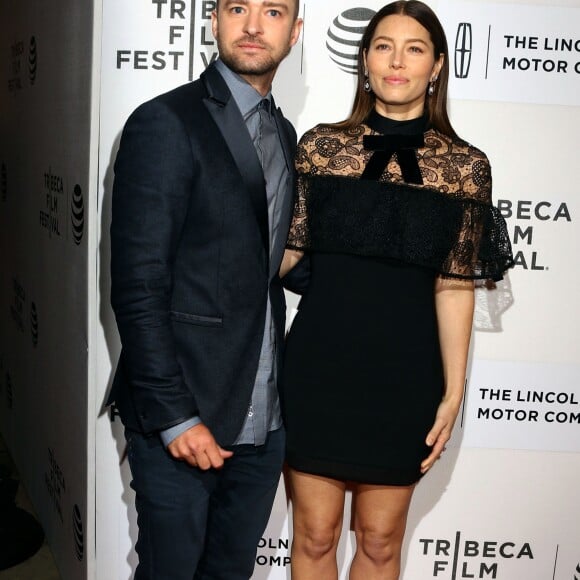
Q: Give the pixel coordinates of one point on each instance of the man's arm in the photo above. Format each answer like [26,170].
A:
[153,176]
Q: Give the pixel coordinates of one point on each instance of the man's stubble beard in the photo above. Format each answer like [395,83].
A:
[248,66]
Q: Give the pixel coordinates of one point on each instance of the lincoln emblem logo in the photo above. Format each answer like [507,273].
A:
[463,46]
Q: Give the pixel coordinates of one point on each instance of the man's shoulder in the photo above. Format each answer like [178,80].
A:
[184,102]
[186,94]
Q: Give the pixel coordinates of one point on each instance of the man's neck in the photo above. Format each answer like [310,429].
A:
[262,83]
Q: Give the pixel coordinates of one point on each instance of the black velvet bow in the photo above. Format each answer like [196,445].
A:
[384,147]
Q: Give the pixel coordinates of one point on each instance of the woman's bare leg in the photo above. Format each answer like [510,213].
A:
[380,519]
[317,510]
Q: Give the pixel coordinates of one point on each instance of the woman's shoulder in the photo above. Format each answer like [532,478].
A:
[331,131]
[455,146]
[455,166]
[328,148]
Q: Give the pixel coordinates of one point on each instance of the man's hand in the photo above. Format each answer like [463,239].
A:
[198,447]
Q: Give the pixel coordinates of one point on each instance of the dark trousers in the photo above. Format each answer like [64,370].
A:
[196,525]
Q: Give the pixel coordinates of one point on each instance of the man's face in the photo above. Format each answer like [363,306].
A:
[254,36]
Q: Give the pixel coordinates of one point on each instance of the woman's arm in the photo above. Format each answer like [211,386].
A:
[454,302]
[290,259]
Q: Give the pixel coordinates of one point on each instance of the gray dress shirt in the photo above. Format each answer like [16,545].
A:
[264,409]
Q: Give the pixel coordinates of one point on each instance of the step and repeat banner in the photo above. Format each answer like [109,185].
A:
[502,503]
[45,151]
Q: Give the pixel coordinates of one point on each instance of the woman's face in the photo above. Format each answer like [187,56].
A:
[401,63]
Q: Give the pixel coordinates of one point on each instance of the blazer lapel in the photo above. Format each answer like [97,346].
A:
[289,148]
[230,122]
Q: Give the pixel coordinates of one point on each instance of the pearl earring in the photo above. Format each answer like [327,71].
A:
[367,83]
[431,89]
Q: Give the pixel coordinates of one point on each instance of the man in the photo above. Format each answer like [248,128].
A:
[201,209]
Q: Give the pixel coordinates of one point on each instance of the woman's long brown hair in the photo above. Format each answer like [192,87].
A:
[364,102]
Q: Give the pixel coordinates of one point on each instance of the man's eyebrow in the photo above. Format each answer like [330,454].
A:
[266,3]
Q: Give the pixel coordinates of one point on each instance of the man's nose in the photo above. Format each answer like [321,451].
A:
[253,24]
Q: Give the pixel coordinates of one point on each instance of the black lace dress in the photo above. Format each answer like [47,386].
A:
[383,209]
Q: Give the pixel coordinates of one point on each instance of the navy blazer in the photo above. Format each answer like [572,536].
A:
[190,260]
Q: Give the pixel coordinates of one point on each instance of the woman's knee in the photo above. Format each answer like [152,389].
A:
[316,540]
[380,547]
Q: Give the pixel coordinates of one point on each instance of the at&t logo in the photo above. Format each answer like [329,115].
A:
[344,36]
[34,324]
[32,60]
[77,216]
[78,533]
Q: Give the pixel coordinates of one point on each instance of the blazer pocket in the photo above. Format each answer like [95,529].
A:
[196,319]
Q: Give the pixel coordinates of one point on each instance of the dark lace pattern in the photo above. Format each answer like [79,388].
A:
[448,224]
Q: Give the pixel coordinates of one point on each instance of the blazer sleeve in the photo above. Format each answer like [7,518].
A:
[153,183]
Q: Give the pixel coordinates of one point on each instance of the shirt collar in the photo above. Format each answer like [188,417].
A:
[247,98]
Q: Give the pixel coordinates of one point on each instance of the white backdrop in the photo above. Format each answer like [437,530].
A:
[502,503]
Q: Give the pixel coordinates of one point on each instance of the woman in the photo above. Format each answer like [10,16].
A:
[395,212]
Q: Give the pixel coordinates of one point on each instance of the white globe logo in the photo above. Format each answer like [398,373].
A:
[344,36]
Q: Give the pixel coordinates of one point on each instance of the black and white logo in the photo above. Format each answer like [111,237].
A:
[273,552]
[32,60]
[463,50]
[527,217]
[171,56]
[34,324]
[466,557]
[3,182]
[79,539]
[577,575]
[77,217]
[344,36]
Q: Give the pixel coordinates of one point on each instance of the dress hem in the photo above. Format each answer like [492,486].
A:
[356,473]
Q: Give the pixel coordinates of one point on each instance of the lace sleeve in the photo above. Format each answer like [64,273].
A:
[298,237]
[483,248]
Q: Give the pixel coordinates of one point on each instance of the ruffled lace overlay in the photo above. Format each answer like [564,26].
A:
[447,223]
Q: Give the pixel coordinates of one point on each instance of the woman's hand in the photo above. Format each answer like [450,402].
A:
[290,259]
[440,432]
[454,305]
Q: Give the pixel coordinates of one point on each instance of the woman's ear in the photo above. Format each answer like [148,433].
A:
[437,67]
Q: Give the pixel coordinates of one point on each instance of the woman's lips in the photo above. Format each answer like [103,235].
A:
[394,80]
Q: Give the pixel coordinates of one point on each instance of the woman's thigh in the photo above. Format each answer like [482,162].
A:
[317,502]
[381,509]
